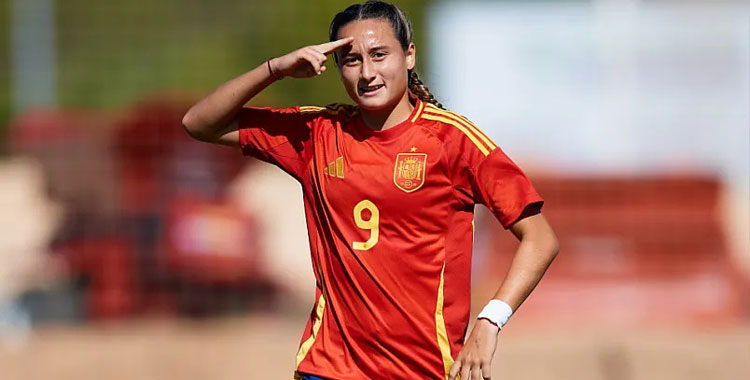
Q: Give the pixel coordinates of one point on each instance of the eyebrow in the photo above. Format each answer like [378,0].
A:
[374,48]
[378,47]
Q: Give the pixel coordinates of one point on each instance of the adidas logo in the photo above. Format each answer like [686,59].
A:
[335,168]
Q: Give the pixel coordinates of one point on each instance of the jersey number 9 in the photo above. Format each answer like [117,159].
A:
[372,224]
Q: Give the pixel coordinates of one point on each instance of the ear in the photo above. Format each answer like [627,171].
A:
[411,56]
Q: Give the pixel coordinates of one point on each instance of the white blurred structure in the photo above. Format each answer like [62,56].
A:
[275,198]
[607,87]
[28,221]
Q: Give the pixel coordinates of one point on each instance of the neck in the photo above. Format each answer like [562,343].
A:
[389,116]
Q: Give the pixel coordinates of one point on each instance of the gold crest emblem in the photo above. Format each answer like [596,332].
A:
[409,171]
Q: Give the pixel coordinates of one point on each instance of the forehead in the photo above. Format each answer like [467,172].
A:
[369,32]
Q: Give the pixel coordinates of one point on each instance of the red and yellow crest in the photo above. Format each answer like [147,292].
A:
[409,171]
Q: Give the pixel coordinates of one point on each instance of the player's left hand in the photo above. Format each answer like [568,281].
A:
[475,357]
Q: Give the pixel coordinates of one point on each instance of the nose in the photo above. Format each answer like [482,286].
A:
[367,72]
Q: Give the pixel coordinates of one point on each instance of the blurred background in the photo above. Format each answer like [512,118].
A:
[128,251]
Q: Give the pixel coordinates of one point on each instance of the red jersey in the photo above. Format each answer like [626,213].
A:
[390,224]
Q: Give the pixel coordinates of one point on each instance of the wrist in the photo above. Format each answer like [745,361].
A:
[497,312]
[487,324]
[272,71]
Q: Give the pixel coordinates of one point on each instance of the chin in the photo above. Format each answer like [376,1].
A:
[369,105]
[375,104]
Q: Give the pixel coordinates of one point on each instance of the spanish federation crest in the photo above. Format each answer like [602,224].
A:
[409,171]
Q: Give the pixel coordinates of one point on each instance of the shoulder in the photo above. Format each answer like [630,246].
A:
[330,111]
[324,117]
[456,130]
[298,117]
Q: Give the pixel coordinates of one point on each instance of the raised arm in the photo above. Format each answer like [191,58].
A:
[214,118]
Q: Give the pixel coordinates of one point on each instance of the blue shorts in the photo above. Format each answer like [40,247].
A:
[313,377]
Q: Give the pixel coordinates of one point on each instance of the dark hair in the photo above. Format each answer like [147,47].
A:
[401,29]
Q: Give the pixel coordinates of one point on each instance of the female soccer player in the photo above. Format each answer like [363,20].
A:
[389,190]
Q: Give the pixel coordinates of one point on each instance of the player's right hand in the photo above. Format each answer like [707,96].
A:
[308,61]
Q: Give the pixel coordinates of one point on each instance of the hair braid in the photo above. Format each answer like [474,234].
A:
[418,88]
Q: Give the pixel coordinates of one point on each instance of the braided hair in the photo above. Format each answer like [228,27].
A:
[401,29]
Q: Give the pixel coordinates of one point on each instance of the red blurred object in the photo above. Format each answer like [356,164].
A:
[39,127]
[632,251]
[110,267]
[212,243]
[158,160]
[144,222]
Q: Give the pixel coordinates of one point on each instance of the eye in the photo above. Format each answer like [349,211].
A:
[379,55]
[350,60]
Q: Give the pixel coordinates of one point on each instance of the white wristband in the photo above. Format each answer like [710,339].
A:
[497,312]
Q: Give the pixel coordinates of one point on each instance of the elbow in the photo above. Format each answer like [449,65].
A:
[543,247]
[552,246]
[192,129]
[546,244]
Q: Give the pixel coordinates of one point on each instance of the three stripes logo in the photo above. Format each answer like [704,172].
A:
[335,168]
[482,142]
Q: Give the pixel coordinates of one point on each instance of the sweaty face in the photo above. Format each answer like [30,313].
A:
[374,66]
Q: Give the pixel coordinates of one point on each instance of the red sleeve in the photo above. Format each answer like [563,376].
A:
[498,183]
[282,137]
[482,173]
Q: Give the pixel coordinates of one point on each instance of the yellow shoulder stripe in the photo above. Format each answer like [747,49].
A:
[484,137]
[331,109]
[419,112]
[306,109]
[463,120]
[460,127]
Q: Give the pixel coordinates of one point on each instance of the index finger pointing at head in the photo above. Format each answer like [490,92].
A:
[330,47]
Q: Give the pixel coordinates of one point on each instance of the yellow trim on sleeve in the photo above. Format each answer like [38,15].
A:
[331,109]
[306,109]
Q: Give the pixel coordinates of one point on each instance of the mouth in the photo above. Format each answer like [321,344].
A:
[369,90]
